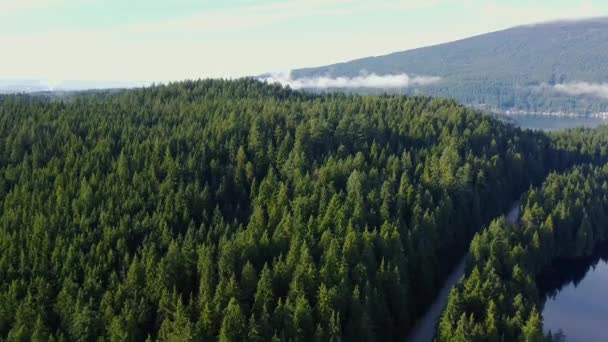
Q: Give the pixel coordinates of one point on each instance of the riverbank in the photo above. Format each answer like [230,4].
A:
[424,329]
[565,218]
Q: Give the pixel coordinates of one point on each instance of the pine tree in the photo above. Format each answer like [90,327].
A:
[177,327]
[249,282]
[533,330]
[234,324]
[303,319]
[491,324]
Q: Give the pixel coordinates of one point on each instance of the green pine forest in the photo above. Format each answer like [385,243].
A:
[236,210]
[498,300]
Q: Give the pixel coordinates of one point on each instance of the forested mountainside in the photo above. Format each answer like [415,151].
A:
[499,300]
[520,68]
[236,210]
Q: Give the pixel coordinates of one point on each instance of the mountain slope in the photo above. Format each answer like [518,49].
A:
[516,68]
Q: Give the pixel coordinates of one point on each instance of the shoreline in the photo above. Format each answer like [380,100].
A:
[600,115]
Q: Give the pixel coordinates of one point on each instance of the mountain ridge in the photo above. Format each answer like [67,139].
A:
[510,69]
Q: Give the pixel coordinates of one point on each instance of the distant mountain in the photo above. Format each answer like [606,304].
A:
[11,86]
[8,86]
[557,67]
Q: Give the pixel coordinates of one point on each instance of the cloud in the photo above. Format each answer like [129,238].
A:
[234,39]
[361,81]
[583,88]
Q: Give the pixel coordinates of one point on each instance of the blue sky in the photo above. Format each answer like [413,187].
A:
[154,40]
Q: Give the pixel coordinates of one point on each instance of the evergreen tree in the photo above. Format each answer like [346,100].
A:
[234,324]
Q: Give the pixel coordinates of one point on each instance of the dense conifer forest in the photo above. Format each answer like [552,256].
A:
[565,218]
[236,210]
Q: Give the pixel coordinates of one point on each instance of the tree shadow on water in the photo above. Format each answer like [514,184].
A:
[564,272]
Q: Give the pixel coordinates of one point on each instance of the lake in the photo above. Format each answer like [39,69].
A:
[554,123]
[576,301]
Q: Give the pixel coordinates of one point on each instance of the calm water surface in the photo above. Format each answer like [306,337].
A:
[553,123]
[576,302]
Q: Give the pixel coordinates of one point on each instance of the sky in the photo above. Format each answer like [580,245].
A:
[166,40]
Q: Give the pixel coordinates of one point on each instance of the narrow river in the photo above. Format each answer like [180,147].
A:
[424,330]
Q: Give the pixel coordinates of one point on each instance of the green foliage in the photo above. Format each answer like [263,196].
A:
[235,210]
[566,217]
[233,324]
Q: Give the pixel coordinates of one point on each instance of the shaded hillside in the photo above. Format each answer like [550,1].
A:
[514,68]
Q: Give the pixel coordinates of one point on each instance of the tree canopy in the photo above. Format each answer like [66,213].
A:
[499,299]
[236,210]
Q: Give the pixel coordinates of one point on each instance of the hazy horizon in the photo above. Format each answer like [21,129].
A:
[143,42]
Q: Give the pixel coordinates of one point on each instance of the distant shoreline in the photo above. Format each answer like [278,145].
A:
[602,115]
[514,112]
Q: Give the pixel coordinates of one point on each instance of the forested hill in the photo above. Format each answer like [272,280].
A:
[234,210]
[533,68]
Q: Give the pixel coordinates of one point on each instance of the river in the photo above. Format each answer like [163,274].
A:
[424,330]
[575,297]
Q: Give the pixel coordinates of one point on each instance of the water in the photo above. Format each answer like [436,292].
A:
[424,330]
[576,301]
[554,123]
